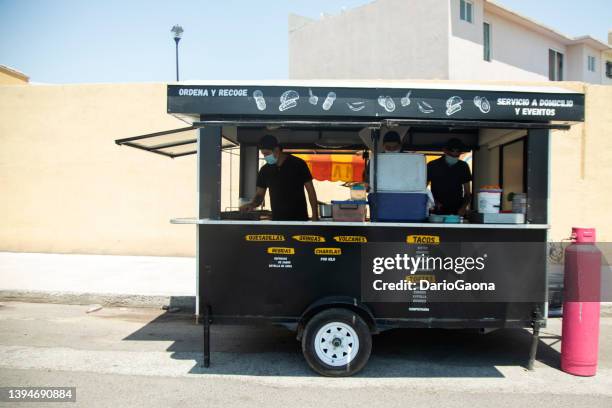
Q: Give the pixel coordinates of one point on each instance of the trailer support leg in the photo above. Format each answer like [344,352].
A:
[206,339]
[535,340]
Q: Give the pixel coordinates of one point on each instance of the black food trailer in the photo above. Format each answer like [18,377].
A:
[338,283]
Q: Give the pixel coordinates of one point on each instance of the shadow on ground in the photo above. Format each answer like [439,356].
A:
[274,351]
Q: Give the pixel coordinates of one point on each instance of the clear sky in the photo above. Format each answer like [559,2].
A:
[66,41]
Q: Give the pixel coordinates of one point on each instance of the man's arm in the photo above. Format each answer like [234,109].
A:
[260,193]
[467,198]
[467,189]
[312,198]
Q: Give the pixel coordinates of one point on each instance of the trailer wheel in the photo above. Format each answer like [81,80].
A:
[337,343]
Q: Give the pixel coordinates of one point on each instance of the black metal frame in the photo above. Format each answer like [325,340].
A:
[524,157]
[538,143]
[474,124]
[328,123]
[288,123]
[158,149]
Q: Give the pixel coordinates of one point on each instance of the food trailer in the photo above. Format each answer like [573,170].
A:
[338,283]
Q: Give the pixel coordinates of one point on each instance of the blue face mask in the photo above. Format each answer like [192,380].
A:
[450,160]
[270,159]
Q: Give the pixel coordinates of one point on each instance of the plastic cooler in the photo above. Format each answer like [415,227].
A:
[349,211]
[399,172]
[398,206]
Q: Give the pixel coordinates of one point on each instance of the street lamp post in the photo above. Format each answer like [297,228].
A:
[177,30]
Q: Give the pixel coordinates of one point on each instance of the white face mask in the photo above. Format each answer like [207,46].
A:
[450,160]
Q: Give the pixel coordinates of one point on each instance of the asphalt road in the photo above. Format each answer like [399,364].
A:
[145,357]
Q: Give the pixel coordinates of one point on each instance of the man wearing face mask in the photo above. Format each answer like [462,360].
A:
[450,180]
[392,143]
[286,176]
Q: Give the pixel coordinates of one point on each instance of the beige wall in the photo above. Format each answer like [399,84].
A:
[66,187]
[582,169]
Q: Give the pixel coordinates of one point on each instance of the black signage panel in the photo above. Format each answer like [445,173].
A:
[268,270]
[368,103]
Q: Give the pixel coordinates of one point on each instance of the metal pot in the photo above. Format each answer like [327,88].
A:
[325,210]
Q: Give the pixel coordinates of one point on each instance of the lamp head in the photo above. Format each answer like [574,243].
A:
[178,31]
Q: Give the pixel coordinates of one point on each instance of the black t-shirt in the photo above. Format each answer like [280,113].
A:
[286,184]
[447,183]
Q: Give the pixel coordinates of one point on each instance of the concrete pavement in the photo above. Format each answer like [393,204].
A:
[144,357]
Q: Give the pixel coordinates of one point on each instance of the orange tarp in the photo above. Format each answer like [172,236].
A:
[335,167]
[342,167]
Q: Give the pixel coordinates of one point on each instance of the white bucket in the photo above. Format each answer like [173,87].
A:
[519,203]
[489,201]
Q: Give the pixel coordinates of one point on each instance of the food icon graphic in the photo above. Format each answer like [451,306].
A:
[424,107]
[482,103]
[259,100]
[387,103]
[405,101]
[313,99]
[356,106]
[288,100]
[329,101]
[453,105]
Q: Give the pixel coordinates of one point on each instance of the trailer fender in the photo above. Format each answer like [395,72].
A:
[346,302]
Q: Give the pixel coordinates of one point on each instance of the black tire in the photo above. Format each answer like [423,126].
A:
[343,317]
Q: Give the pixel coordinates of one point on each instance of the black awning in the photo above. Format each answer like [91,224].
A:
[167,142]
[294,100]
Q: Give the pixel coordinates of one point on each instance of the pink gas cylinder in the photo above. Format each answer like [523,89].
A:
[581,297]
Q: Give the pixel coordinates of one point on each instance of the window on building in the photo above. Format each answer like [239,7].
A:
[466,10]
[609,69]
[555,65]
[591,63]
[486,42]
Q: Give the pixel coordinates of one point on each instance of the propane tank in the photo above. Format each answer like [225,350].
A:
[581,296]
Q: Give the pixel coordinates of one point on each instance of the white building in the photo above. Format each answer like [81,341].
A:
[441,39]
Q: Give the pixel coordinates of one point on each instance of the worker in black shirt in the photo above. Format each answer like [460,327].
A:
[450,180]
[286,176]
